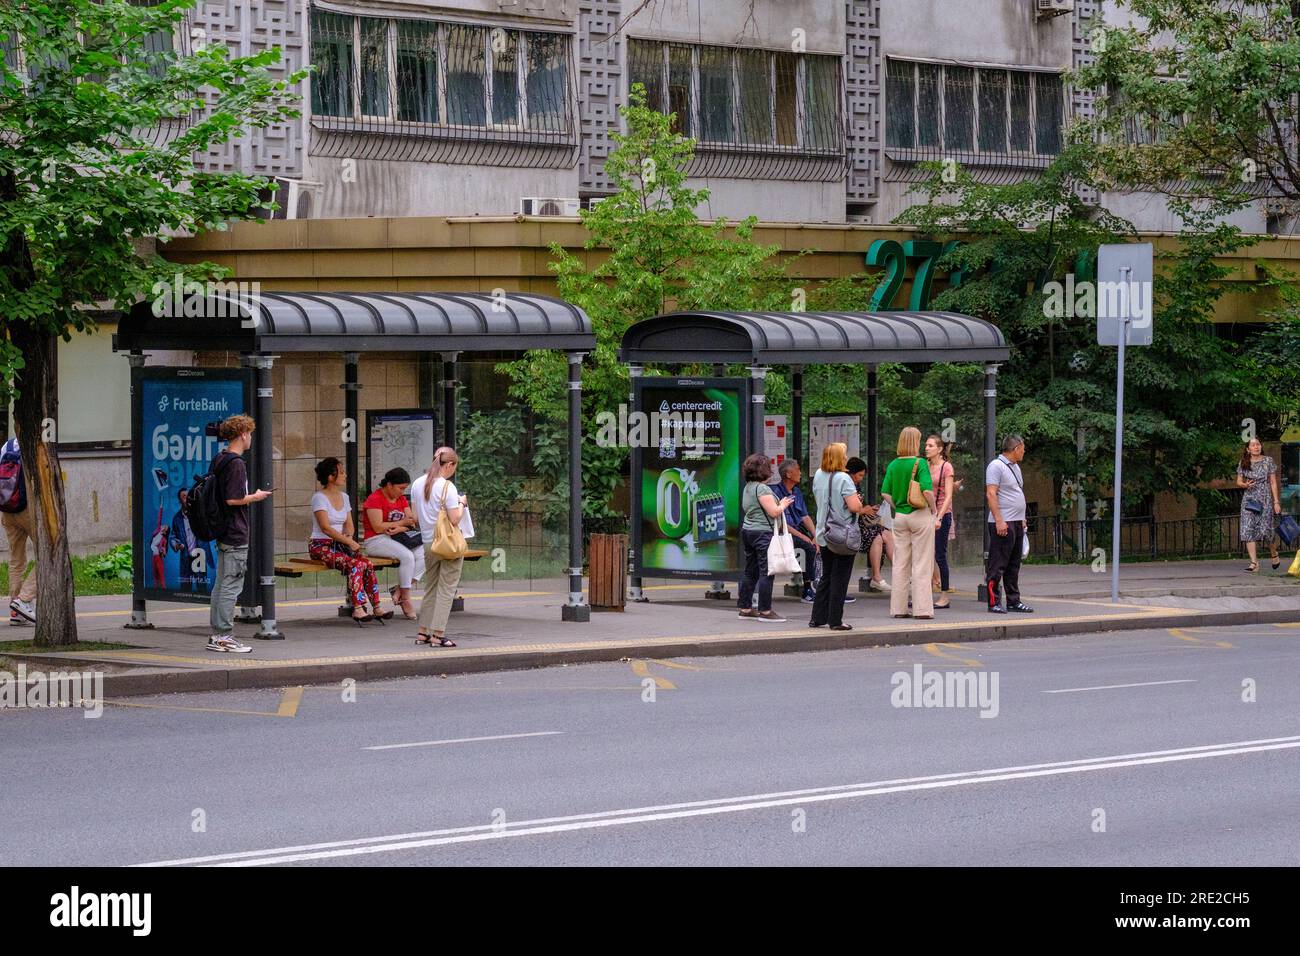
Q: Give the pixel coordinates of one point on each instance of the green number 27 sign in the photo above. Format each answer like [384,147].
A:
[894,257]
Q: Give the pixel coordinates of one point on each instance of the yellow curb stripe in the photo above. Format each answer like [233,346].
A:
[642,670]
[680,667]
[1182,635]
[203,609]
[289,702]
[934,649]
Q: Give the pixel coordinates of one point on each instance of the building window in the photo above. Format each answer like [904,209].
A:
[967,110]
[439,74]
[725,97]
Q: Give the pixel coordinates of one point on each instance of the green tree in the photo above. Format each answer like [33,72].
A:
[647,253]
[1057,389]
[1198,98]
[99,130]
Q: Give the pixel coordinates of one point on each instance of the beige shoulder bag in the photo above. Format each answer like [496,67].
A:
[915,496]
[448,543]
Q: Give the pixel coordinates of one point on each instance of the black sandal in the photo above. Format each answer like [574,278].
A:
[363,620]
[443,640]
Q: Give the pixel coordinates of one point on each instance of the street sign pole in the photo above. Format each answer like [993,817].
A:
[1125,282]
[1119,450]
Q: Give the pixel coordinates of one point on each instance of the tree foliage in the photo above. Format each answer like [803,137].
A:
[100,127]
[1198,98]
[1182,392]
[647,253]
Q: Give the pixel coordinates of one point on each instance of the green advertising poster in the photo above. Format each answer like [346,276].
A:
[686,469]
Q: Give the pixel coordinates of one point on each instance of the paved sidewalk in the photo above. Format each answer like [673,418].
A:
[505,629]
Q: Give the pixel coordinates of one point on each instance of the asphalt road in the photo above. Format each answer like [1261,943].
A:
[1121,749]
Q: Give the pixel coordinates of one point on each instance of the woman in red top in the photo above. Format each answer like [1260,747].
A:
[388,521]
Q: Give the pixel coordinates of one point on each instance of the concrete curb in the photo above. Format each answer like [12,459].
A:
[189,680]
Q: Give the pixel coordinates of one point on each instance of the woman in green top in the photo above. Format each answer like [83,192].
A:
[913,528]
[761,510]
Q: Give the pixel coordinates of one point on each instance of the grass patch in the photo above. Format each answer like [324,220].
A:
[85,582]
[30,647]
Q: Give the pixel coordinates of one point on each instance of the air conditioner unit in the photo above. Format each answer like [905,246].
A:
[295,197]
[1054,8]
[548,206]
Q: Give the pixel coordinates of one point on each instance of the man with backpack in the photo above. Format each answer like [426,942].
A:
[16,518]
[220,510]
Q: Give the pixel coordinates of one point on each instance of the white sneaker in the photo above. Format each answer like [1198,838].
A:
[25,609]
[226,644]
[881,585]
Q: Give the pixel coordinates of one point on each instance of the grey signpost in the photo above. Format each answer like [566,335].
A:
[1125,273]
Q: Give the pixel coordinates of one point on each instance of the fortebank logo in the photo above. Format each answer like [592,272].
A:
[163,403]
[76,909]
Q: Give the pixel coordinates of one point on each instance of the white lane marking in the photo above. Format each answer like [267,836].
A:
[464,740]
[1149,683]
[382,844]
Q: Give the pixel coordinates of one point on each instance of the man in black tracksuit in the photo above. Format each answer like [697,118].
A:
[1004,489]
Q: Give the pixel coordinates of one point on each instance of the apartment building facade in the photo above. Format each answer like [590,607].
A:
[803,110]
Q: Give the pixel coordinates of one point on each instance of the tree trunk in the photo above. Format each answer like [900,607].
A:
[35,418]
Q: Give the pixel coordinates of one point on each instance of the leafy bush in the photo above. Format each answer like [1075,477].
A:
[116,563]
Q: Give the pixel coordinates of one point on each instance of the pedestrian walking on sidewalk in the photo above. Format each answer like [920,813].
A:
[913,509]
[1004,490]
[761,509]
[936,457]
[16,517]
[431,494]
[1261,504]
[228,470]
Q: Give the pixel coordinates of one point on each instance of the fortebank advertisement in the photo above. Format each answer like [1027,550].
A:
[686,476]
[175,413]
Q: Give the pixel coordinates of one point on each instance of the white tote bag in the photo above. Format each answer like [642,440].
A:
[781,556]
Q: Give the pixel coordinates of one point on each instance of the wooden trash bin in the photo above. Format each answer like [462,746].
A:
[607,570]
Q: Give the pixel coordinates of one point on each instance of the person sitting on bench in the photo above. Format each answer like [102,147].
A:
[332,542]
[392,532]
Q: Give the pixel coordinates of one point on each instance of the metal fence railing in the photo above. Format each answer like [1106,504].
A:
[1140,538]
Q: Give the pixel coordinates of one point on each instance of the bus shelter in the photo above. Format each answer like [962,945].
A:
[259,328]
[797,340]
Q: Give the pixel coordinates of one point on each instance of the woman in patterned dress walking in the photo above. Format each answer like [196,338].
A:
[1261,504]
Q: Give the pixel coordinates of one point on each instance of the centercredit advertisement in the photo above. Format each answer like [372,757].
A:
[687,477]
[175,408]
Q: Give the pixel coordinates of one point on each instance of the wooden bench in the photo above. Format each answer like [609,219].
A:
[297,567]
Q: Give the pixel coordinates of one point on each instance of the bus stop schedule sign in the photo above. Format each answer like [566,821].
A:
[688,440]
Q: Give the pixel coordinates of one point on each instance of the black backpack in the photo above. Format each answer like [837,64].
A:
[205,505]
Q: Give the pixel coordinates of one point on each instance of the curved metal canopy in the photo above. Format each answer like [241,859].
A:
[812,338]
[358,322]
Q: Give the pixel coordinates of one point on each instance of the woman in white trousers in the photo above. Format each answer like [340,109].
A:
[388,518]
[913,528]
